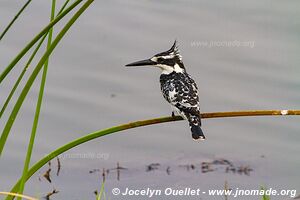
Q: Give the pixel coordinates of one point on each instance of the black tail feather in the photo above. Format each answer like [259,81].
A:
[197,133]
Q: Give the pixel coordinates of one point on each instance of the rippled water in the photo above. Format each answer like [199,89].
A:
[243,55]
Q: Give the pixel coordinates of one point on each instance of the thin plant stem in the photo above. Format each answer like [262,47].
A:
[21,76]
[248,113]
[101,193]
[38,108]
[14,19]
[35,72]
[63,7]
[26,67]
[35,39]
[136,124]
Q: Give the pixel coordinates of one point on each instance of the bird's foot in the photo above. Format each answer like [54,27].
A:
[173,114]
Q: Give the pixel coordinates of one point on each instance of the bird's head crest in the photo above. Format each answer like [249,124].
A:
[172,53]
[169,61]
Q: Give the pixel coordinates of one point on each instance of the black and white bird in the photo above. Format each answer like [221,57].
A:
[178,87]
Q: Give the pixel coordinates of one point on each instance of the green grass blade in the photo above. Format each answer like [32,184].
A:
[265,197]
[21,76]
[26,67]
[35,39]
[14,19]
[101,193]
[63,7]
[38,109]
[35,72]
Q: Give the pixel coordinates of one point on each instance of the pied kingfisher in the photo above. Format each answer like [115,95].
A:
[178,88]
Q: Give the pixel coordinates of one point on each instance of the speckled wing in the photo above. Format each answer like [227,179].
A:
[181,91]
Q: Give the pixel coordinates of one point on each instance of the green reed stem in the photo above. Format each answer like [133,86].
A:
[63,7]
[136,124]
[35,72]
[101,193]
[35,39]
[14,19]
[37,110]
[21,76]
[26,67]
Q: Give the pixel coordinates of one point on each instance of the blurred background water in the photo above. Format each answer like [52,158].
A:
[242,54]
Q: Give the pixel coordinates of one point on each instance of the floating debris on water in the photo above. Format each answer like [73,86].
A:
[54,191]
[168,170]
[222,162]
[188,167]
[211,166]
[103,175]
[58,166]
[244,170]
[94,170]
[220,165]
[206,167]
[46,175]
[118,169]
[152,167]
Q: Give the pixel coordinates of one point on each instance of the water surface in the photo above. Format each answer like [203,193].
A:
[88,88]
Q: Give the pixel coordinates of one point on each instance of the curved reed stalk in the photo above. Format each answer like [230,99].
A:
[247,113]
[18,195]
[136,124]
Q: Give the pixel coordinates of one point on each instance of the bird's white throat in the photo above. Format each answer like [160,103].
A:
[166,69]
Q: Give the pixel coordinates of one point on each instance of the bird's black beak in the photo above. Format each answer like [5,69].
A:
[141,63]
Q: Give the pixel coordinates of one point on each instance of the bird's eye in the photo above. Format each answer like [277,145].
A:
[159,60]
